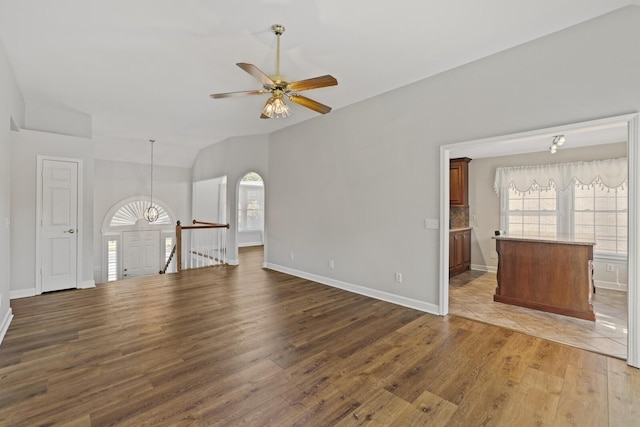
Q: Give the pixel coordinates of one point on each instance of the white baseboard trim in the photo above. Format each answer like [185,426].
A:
[86,284]
[22,293]
[247,244]
[357,289]
[601,284]
[4,327]
[25,293]
[485,268]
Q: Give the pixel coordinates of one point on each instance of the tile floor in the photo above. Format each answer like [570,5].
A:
[471,296]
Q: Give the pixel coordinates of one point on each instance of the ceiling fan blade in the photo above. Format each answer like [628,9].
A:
[310,103]
[255,72]
[230,94]
[313,83]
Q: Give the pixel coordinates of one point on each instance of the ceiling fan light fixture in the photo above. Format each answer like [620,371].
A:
[275,108]
[278,87]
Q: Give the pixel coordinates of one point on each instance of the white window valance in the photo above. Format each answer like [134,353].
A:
[610,173]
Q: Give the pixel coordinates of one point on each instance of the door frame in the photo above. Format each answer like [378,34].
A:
[633,256]
[80,233]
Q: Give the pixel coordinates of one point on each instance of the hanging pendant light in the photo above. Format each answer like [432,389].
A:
[151,213]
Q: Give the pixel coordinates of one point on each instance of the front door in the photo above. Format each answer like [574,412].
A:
[140,253]
[59,225]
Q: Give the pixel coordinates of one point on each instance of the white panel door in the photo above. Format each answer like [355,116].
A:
[140,253]
[59,226]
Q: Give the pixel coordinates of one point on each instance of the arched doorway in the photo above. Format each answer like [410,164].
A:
[250,211]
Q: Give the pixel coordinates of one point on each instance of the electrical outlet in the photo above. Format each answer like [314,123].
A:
[610,268]
[291,255]
[431,224]
[398,277]
[331,264]
[494,255]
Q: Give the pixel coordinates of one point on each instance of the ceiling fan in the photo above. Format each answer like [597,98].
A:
[279,87]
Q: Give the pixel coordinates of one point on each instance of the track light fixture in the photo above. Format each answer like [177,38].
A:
[556,142]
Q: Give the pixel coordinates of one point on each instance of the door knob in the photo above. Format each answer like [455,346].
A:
[70,231]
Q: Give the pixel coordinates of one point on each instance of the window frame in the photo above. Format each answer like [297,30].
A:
[243,191]
[557,213]
[603,254]
[565,224]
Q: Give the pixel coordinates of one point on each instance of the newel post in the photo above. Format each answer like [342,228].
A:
[179,246]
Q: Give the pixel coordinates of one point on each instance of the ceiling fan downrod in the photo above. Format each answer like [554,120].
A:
[278,29]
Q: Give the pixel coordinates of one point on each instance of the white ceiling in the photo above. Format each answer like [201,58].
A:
[577,136]
[145,68]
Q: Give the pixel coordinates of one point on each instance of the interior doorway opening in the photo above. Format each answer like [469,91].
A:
[251,210]
[513,144]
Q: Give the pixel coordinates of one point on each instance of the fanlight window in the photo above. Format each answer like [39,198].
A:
[132,212]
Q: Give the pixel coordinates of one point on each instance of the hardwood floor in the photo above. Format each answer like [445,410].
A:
[246,346]
[471,296]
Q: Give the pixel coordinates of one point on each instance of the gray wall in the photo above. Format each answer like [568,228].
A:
[234,157]
[26,146]
[206,204]
[356,185]
[11,110]
[484,204]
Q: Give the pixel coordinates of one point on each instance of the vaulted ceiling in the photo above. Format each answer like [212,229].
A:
[144,69]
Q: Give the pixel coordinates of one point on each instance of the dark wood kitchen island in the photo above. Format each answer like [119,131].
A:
[552,275]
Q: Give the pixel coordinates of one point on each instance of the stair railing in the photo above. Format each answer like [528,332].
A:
[169,258]
[200,245]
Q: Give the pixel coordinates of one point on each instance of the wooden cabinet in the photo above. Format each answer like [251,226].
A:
[459,251]
[459,181]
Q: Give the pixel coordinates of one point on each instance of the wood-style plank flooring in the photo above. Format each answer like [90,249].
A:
[471,296]
[247,346]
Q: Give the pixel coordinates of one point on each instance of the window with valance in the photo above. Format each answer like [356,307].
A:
[586,200]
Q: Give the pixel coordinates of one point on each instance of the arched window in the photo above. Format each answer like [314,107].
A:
[133,212]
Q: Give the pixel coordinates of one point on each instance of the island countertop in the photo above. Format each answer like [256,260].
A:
[548,274]
[566,240]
